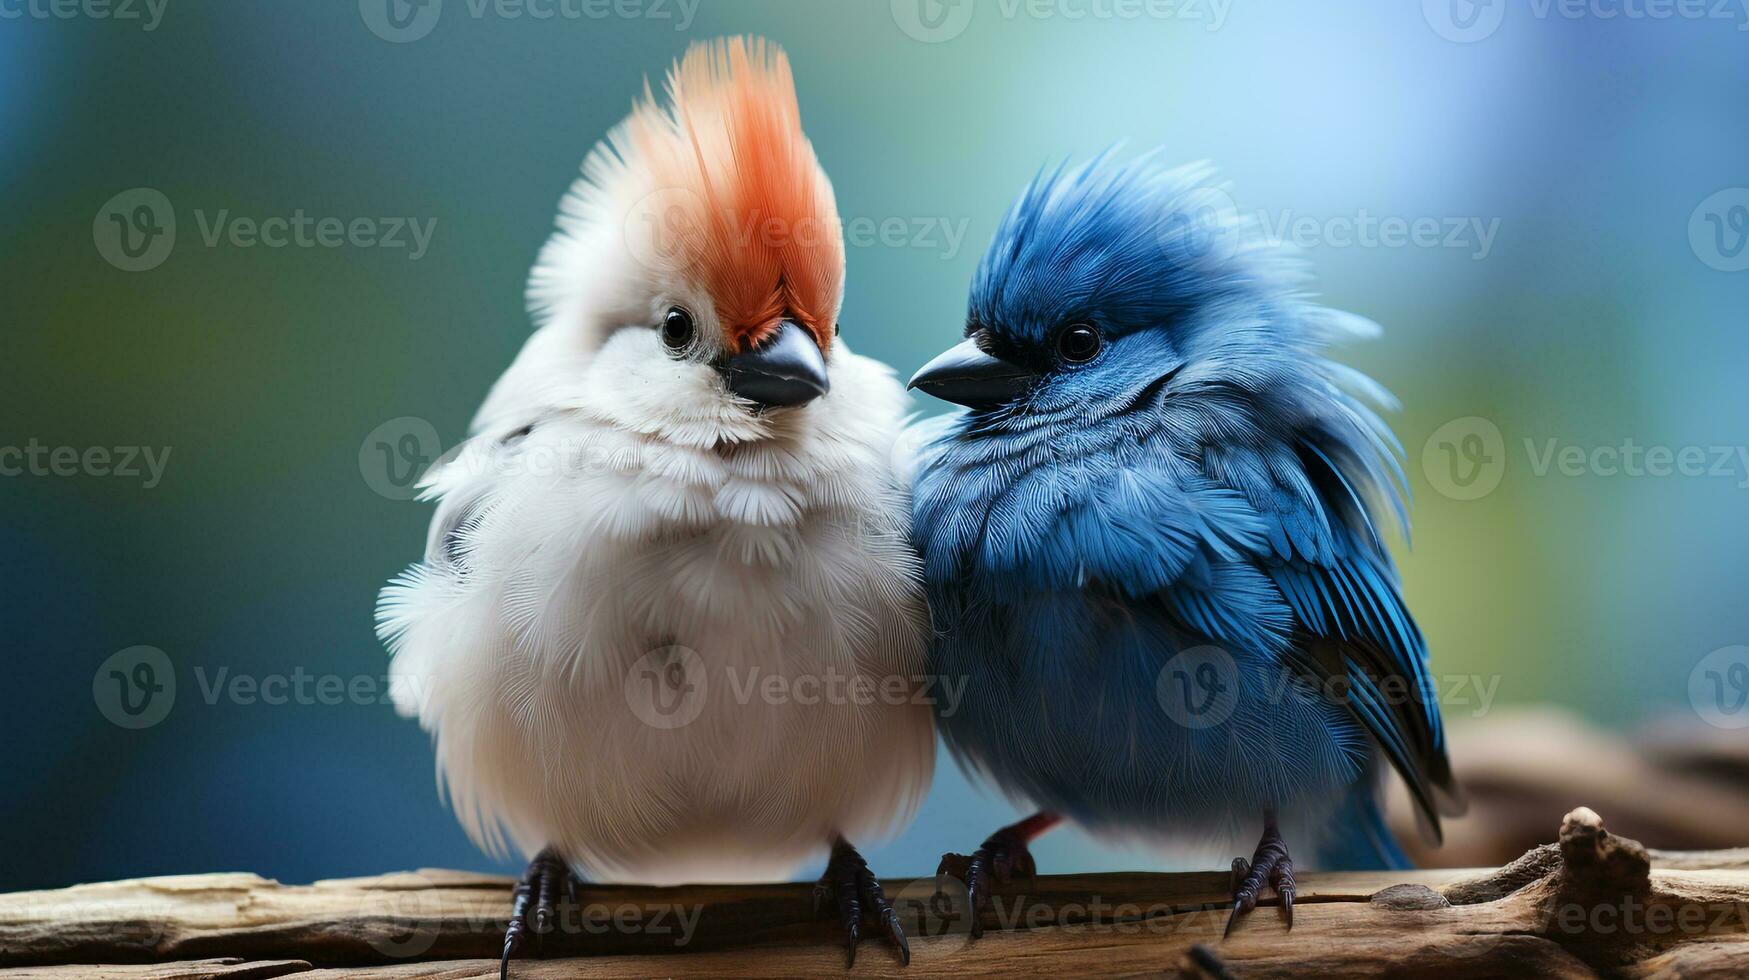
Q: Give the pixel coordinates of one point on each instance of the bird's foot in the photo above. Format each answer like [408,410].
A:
[1269,865]
[995,862]
[534,904]
[853,890]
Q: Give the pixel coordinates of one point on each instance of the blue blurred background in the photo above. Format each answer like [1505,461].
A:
[1585,176]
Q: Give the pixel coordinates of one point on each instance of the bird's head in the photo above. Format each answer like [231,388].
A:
[700,258]
[1109,285]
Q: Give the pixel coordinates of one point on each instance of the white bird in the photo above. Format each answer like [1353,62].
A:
[669,626]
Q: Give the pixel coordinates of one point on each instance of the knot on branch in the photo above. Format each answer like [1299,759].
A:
[1598,865]
[1409,898]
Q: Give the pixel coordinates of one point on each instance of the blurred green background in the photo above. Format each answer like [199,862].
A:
[1609,156]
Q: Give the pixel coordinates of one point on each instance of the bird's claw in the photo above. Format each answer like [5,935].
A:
[995,862]
[1269,865]
[857,894]
[533,904]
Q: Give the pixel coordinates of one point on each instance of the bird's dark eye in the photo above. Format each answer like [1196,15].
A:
[1078,343]
[677,329]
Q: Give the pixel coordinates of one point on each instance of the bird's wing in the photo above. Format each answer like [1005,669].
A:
[465,482]
[1309,578]
[541,378]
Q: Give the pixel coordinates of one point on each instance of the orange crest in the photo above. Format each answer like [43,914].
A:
[745,205]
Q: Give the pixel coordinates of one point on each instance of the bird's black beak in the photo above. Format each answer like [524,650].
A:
[787,369]
[965,374]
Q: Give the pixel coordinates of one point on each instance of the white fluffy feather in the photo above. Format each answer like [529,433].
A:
[619,506]
[561,557]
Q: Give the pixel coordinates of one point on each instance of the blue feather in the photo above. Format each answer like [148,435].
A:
[1209,481]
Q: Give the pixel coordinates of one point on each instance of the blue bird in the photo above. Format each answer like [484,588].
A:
[1152,543]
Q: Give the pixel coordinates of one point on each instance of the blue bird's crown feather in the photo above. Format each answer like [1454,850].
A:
[1140,243]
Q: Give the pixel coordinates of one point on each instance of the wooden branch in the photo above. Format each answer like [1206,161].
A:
[1594,904]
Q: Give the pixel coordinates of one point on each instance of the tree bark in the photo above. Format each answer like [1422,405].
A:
[1592,905]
